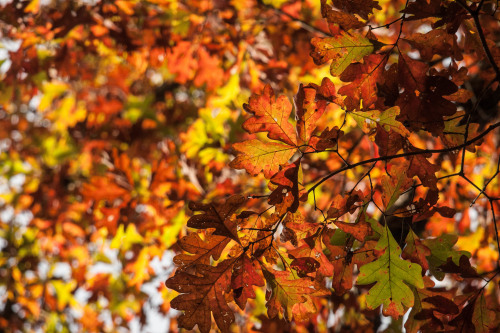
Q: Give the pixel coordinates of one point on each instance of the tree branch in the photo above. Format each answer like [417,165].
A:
[412,153]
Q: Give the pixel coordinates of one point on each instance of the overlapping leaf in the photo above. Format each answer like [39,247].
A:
[365,78]
[362,8]
[395,185]
[201,250]
[246,274]
[343,258]
[217,216]
[342,50]
[368,121]
[308,111]
[290,297]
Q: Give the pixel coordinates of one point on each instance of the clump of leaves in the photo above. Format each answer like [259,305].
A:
[365,180]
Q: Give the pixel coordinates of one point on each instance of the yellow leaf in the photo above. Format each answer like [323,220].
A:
[125,239]
[33,7]
[471,243]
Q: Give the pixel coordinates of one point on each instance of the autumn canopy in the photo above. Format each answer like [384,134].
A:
[254,165]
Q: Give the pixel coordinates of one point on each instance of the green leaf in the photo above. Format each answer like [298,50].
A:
[392,276]
[256,156]
[343,50]
[290,297]
[368,121]
[442,249]
[483,318]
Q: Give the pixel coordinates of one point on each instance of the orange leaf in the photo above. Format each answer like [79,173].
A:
[270,115]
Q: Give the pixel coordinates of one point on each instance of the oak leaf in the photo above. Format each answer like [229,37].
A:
[442,249]
[430,306]
[201,250]
[257,156]
[342,49]
[394,185]
[327,139]
[270,115]
[436,41]
[217,216]
[308,110]
[287,181]
[343,204]
[362,8]
[245,275]
[392,276]
[484,318]
[203,294]
[368,121]
[416,251]
[343,258]
[286,294]
[345,20]
[364,78]
[422,168]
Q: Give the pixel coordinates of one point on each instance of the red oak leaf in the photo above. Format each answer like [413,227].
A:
[245,275]
[364,78]
[270,115]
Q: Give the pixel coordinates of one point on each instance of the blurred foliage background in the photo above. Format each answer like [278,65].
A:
[114,114]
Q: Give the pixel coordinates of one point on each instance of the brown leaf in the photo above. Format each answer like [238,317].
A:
[345,204]
[217,216]
[442,304]
[362,8]
[203,294]
[359,230]
[345,20]
[423,169]
[201,250]
[327,139]
[288,185]
[464,269]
